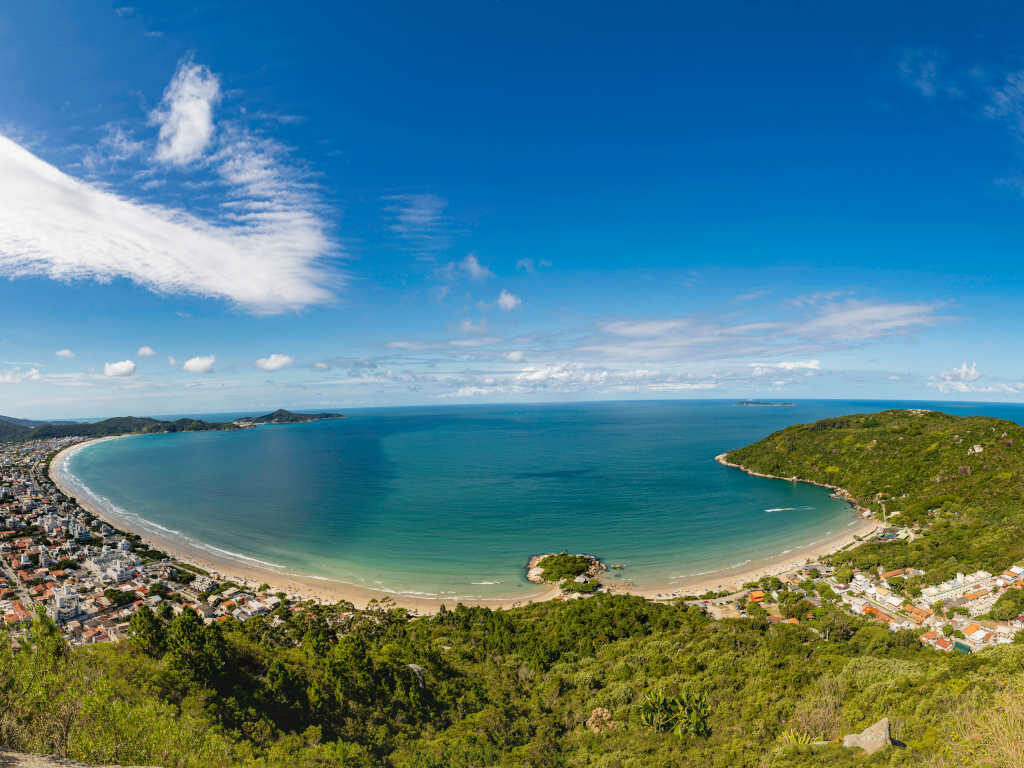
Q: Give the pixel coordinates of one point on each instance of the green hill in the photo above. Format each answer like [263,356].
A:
[962,479]
[23,429]
[122,425]
[10,430]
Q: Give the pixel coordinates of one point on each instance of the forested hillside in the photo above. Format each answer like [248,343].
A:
[960,479]
[611,682]
[121,425]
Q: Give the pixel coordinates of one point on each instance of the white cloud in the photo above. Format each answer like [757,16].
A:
[644,328]
[920,68]
[115,146]
[412,346]
[185,114]
[171,360]
[1007,102]
[515,356]
[798,365]
[468,326]
[862,320]
[145,351]
[321,366]
[814,299]
[200,364]
[963,373]
[753,295]
[575,377]
[418,217]
[770,369]
[65,353]
[509,301]
[472,266]
[477,342]
[526,265]
[122,368]
[267,257]
[830,325]
[966,379]
[793,365]
[18,375]
[274,362]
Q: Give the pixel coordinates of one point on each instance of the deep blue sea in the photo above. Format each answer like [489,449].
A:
[451,501]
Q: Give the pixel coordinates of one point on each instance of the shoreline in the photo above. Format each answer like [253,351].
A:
[301,586]
[327,590]
[734,578]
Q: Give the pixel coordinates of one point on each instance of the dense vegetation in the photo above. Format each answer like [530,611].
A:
[925,467]
[120,425]
[607,682]
[10,431]
[563,566]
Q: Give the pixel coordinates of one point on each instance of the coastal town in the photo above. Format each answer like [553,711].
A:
[87,576]
[954,615]
[90,578]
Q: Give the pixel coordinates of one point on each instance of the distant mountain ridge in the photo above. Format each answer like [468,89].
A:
[33,422]
[23,429]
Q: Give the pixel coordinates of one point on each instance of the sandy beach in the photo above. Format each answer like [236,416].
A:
[733,579]
[331,591]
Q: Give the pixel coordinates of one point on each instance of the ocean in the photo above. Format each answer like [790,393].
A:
[450,502]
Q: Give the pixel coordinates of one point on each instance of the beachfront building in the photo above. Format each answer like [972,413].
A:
[956,587]
[67,604]
[112,565]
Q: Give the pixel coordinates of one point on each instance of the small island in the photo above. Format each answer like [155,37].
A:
[577,574]
[764,403]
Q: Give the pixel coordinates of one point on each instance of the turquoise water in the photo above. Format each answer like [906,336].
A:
[450,502]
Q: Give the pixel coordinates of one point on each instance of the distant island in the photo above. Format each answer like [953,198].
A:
[12,429]
[767,403]
[281,416]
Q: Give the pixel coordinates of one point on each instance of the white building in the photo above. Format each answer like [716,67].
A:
[67,604]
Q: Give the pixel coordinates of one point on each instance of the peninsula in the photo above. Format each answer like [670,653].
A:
[281,416]
[22,429]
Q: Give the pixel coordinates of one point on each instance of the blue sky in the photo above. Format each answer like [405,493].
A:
[242,206]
